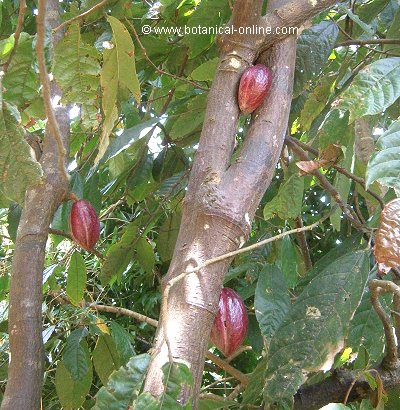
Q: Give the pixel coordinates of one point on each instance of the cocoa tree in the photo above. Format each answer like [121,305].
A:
[129,109]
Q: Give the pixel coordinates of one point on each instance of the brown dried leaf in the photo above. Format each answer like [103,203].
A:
[327,157]
[387,238]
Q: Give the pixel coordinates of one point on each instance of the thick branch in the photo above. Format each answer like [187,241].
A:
[335,388]
[25,372]
[292,14]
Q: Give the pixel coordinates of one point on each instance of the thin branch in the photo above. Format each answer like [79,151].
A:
[303,244]
[81,16]
[325,184]
[378,287]
[125,312]
[20,22]
[354,42]
[62,299]
[46,89]
[338,168]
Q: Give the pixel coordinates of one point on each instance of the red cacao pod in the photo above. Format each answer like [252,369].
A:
[84,224]
[254,86]
[230,324]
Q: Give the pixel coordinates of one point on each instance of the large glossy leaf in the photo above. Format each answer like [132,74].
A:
[315,327]
[123,385]
[105,357]
[21,82]
[76,278]
[168,234]
[255,385]
[119,255]
[76,67]
[384,166]
[366,330]
[75,358]
[375,88]
[145,255]
[122,341]
[272,300]
[118,70]
[72,393]
[313,49]
[287,203]
[18,169]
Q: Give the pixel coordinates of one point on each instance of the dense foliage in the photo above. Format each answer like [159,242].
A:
[137,104]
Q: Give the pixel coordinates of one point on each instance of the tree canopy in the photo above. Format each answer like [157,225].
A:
[132,106]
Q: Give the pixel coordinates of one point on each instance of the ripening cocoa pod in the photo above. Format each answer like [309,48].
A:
[230,324]
[254,86]
[387,238]
[84,224]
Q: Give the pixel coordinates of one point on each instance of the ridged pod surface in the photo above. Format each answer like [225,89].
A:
[84,224]
[253,87]
[230,324]
[387,238]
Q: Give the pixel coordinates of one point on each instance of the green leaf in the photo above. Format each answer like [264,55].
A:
[287,203]
[118,70]
[75,358]
[255,384]
[72,393]
[209,404]
[315,102]
[384,166]
[123,385]
[105,357]
[122,341]
[119,255]
[375,88]
[288,262]
[189,121]
[13,217]
[145,255]
[366,330]
[315,327]
[146,401]
[334,129]
[18,169]
[168,235]
[178,383]
[21,82]
[272,300]
[342,183]
[394,32]
[314,46]
[76,67]
[127,138]
[76,278]
[205,71]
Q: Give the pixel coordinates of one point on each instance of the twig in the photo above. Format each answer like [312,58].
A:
[60,298]
[325,184]
[341,170]
[81,16]
[378,287]
[238,352]
[20,22]
[51,118]
[159,70]
[303,244]
[228,368]
[124,312]
[354,42]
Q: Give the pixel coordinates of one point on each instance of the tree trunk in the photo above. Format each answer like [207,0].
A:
[25,372]
[222,197]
